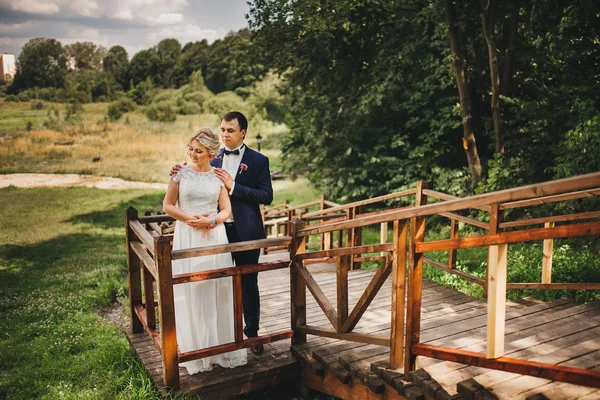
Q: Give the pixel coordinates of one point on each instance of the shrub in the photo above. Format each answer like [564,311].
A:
[125,104]
[11,98]
[72,111]
[47,94]
[161,112]
[23,97]
[114,112]
[53,121]
[188,107]
[37,105]
[197,97]
[28,126]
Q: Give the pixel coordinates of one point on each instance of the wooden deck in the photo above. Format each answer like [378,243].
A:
[560,332]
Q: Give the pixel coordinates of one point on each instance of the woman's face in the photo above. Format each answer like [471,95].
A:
[198,153]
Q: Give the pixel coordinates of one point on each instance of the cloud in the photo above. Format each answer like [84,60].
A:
[35,6]
[168,19]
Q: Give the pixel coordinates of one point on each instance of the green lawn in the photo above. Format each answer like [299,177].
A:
[62,259]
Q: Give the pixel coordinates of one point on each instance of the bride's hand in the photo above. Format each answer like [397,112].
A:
[200,223]
[175,169]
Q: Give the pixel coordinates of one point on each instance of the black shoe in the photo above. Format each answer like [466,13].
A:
[258,349]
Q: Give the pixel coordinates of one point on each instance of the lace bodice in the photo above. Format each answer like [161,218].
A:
[198,191]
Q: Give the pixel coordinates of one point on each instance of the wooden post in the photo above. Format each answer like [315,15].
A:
[356,237]
[342,266]
[497,258]
[398,293]
[134,279]
[149,298]
[322,236]
[496,217]
[383,234]
[166,311]
[415,283]
[297,287]
[452,253]
[547,257]
[238,323]
[285,226]
[328,241]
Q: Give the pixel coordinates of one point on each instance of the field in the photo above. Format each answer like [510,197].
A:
[133,148]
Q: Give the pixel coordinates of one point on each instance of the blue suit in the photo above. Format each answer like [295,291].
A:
[252,188]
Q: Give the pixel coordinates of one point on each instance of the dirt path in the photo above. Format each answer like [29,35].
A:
[68,180]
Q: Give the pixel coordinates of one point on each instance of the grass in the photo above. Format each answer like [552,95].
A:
[133,148]
[61,259]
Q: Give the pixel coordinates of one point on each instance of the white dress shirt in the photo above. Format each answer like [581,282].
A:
[231,164]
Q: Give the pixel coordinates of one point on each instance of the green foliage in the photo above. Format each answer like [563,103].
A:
[11,98]
[578,153]
[23,97]
[114,112]
[142,93]
[42,63]
[53,120]
[116,65]
[37,105]
[227,101]
[28,126]
[160,112]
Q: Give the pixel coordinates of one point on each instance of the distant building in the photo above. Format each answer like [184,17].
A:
[8,67]
[71,64]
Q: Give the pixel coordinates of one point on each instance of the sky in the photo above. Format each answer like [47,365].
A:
[133,24]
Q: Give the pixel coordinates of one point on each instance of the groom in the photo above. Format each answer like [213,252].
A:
[245,173]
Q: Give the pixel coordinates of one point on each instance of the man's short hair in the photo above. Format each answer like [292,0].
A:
[230,116]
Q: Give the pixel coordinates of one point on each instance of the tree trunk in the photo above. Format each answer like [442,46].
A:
[487,20]
[509,56]
[460,73]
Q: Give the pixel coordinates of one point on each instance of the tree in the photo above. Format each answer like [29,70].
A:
[87,55]
[143,65]
[41,63]
[116,64]
[168,52]
[194,57]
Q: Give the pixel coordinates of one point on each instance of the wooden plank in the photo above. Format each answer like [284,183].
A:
[373,258]
[415,283]
[230,247]
[367,297]
[554,286]
[146,219]
[466,220]
[577,376]
[557,218]
[553,198]
[343,264]
[502,196]
[238,324]
[456,272]
[143,255]
[318,294]
[149,299]
[371,248]
[452,253]
[142,234]
[558,232]
[354,337]
[166,310]
[497,267]
[547,256]
[444,196]
[297,286]
[134,279]
[398,294]
[140,311]
[228,271]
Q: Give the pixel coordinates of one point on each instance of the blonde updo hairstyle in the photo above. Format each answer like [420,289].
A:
[208,139]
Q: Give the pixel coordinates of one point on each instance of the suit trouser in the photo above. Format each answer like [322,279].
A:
[250,294]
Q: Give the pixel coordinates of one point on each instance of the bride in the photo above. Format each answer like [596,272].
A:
[203,310]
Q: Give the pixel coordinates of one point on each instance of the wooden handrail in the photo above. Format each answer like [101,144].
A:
[554,198]
[141,252]
[371,248]
[230,247]
[229,271]
[558,218]
[444,196]
[362,203]
[142,234]
[502,196]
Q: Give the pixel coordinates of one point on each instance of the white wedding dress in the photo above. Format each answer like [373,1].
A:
[203,310]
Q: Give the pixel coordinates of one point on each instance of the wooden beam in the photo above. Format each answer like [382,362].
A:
[496,284]
[415,282]
[228,271]
[502,196]
[142,234]
[398,294]
[371,248]
[444,196]
[558,232]
[342,266]
[353,337]
[452,253]
[557,218]
[143,255]
[297,286]
[134,278]
[548,248]
[554,286]
[554,198]
[166,311]
[577,376]
[140,311]
[231,247]
[455,271]
[238,323]
[367,297]
[146,219]
[466,220]
[318,294]
[227,347]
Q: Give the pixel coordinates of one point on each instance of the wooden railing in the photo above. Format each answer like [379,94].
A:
[149,257]
[497,238]
[403,258]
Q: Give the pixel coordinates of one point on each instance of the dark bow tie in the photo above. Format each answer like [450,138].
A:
[234,152]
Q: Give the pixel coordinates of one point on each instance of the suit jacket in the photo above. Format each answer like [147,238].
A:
[252,188]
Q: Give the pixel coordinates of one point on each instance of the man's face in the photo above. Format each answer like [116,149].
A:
[231,134]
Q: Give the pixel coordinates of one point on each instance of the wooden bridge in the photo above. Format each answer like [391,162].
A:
[384,333]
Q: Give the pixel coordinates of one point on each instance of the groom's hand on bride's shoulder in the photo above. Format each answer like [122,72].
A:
[175,169]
